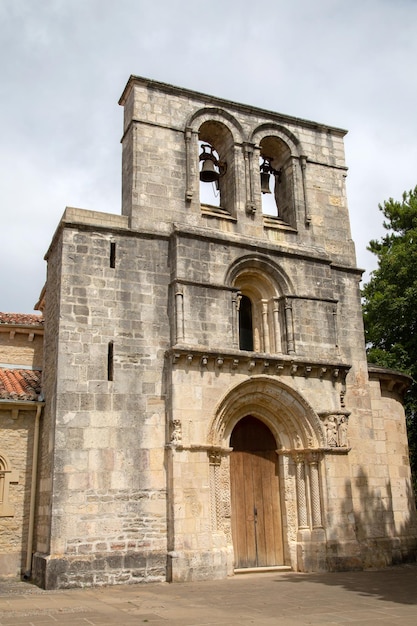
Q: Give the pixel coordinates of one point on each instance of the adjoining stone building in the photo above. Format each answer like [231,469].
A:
[208,404]
[21,343]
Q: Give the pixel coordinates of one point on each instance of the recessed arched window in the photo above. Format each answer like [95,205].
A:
[261,320]
[245,324]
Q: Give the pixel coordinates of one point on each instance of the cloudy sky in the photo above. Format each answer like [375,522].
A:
[64,64]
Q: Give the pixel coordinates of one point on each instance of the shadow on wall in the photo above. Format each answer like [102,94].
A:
[382,542]
[385,522]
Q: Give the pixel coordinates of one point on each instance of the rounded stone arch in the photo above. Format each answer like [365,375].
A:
[279,151]
[262,266]
[4,463]
[217,133]
[263,287]
[290,418]
[216,115]
[280,132]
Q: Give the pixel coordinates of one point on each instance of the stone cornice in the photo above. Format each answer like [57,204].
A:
[257,363]
[391,380]
[229,104]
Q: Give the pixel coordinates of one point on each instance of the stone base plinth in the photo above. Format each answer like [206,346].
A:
[63,571]
[190,565]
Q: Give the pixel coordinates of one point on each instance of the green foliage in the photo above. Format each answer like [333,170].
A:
[390,302]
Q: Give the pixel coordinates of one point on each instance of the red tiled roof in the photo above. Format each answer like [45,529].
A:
[19,384]
[22,319]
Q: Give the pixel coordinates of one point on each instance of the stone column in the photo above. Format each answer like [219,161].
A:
[248,156]
[277,333]
[335,326]
[188,156]
[289,326]
[265,329]
[303,163]
[301,492]
[236,298]
[215,500]
[313,462]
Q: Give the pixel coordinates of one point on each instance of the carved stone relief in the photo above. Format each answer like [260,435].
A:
[335,426]
[176,432]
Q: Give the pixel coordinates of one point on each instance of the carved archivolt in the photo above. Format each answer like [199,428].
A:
[288,415]
[300,438]
[263,266]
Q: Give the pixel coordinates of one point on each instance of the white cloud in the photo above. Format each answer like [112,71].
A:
[344,64]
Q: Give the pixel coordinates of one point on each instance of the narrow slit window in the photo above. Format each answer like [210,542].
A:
[110,354]
[245,324]
[112,254]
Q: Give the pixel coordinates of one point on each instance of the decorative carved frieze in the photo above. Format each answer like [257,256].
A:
[257,363]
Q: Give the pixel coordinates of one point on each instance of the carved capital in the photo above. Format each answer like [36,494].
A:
[215,457]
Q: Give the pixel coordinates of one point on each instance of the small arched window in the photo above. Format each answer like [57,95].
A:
[260,317]
[245,324]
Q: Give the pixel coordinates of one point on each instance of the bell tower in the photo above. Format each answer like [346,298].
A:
[194,159]
[212,327]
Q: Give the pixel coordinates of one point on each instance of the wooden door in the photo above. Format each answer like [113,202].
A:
[256,514]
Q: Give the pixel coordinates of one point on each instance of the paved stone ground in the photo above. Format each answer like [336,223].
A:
[288,599]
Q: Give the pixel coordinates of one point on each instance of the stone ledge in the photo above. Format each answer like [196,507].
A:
[275,365]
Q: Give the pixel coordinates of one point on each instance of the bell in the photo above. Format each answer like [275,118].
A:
[209,173]
[265,182]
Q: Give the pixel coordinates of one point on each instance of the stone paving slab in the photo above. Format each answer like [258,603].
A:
[280,598]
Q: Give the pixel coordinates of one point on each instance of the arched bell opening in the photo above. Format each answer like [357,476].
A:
[255,495]
[216,165]
[277,184]
[209,174]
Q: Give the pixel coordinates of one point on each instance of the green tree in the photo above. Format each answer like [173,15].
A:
[390,303]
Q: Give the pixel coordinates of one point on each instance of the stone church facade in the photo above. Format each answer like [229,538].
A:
[208,404]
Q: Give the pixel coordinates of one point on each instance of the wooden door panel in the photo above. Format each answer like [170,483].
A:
[256,515]
[270,530]
[242,506]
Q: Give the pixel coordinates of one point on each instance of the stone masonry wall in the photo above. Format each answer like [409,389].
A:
[22,349]
[17,444]
[145,377]
[109,484]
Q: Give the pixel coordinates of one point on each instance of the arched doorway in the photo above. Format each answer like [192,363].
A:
[256,511]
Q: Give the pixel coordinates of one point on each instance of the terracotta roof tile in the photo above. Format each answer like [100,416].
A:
[22,319]
[20,384]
